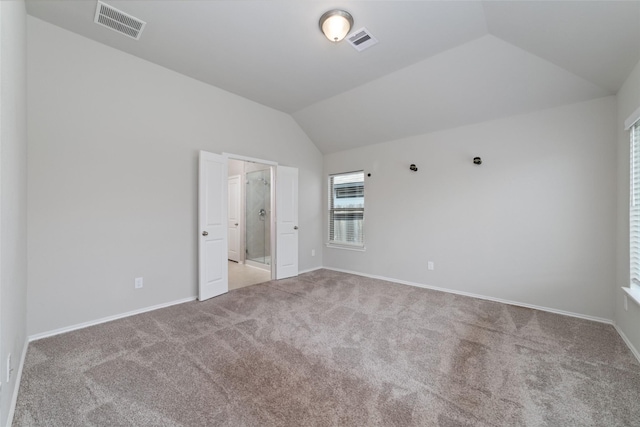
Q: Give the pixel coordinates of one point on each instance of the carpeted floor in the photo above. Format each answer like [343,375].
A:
[328,349]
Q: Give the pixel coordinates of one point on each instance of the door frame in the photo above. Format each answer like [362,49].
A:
[272,170]
[240,219]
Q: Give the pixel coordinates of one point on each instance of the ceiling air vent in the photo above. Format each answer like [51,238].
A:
[119,21]
[361,39]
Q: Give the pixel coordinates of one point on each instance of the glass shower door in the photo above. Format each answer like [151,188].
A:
[258,217]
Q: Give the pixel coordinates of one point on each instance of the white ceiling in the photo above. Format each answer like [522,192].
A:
[439,64]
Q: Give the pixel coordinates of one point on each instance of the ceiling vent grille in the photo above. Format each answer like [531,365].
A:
[361,39]
[119,21]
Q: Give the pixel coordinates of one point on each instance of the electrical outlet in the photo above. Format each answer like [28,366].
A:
[9,370]
[430,265]
[138,282]
[313,252]
[625,303]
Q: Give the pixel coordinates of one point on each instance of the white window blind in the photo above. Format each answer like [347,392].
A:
[634,205]
[346,209]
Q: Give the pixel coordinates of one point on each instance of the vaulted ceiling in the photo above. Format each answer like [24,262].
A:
[438,64]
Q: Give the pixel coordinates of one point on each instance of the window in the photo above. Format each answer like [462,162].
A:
[346,209]
[634,205]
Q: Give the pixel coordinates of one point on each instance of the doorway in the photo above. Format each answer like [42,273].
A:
[251,222]
[213,223]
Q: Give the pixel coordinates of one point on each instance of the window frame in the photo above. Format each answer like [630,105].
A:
[331,209]
[633,290]
[634,206]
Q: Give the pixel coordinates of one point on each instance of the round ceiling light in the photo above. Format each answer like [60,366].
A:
[335,24]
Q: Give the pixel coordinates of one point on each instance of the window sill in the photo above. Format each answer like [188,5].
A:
[347,248]
[633,292]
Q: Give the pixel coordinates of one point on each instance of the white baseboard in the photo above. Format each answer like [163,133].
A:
[627,342]
[468,294]
[310,270]
[106,319]
[16,386]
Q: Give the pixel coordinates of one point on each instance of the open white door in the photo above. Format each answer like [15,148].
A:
[212,226]
[233,221]
[287,222]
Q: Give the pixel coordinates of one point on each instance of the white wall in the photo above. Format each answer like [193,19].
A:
[13,195]
[534,224]
[113,145]
[628,101]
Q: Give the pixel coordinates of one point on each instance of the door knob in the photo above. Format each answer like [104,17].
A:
[295,227]
[204,233]
[236,224]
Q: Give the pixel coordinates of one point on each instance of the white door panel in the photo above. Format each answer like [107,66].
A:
[235,209]
[212,226]
[214,256]
[287,222]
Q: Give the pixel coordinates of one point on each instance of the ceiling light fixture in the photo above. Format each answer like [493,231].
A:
[335,24]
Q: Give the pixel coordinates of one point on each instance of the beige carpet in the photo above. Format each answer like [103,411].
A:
[329,349]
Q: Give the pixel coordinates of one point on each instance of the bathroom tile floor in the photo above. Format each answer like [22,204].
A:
[241,275]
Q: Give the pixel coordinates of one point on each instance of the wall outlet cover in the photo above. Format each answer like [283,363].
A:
[138,282]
